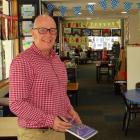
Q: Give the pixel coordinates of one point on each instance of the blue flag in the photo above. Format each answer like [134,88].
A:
[62,10]
[77,10]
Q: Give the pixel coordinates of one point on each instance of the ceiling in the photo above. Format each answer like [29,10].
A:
[98,11]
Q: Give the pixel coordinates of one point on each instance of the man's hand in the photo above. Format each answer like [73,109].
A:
[74,115]
[61,124]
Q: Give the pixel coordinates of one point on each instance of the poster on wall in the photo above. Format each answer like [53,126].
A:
[26,28]
[67,31]
[86,32]
[27,42]
[116,32]
[95,32]
[76,31]
[27,11]
[106,32]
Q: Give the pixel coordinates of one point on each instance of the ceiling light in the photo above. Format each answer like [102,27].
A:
[88,18]
[124,12]
[91,3]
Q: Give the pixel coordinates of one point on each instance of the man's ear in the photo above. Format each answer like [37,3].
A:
[32,32]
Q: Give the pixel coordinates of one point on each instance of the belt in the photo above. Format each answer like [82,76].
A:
[43,130]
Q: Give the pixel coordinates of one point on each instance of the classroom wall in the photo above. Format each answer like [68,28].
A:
[133,66]
[134,28]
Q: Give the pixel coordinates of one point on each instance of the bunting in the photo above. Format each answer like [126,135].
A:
[77,10]
[90,8]
[114,4]
[50,7]
[103,4]
[127,6]
[63,10]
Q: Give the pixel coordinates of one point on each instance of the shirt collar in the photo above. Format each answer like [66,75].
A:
[52,52]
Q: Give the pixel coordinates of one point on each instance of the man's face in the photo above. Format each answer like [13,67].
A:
[44,33]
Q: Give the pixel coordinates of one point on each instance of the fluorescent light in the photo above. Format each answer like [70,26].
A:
[88,18]
[91,3]
[124,12]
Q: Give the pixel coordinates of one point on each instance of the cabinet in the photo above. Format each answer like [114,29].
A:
[27,11]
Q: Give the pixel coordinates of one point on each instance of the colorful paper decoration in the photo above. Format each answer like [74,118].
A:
[50,7]
[127,6]
[62,10]
[103,4]
[90,8]
[114,4]
[77,10]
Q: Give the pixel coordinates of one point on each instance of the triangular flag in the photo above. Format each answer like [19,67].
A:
[62,10]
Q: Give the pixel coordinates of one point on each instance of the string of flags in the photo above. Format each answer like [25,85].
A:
[127,6]
[114,4]
[91,7]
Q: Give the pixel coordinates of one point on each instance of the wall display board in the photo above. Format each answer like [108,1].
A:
[28,10]
[94,38]
[99,42]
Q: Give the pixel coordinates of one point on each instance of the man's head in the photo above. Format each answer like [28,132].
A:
[44,32]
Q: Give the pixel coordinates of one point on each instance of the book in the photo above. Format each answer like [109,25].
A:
[82,131]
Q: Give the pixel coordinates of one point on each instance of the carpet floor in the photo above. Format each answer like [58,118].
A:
[100,108]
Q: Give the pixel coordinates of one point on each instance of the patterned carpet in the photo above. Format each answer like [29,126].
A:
[100,108]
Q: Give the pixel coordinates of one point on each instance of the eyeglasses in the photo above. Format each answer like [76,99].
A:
[43,30]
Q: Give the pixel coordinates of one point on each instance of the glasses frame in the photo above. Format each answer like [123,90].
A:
[47,30]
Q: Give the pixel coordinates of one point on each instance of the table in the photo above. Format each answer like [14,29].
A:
[4,101]
[8,127]
[106,68]
[133,95]
[72,89]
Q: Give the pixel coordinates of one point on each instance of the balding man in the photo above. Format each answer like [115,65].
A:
[38,87]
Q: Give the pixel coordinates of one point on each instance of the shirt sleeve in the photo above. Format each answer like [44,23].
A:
[19,100]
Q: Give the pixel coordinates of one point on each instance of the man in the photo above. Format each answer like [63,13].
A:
[38,87]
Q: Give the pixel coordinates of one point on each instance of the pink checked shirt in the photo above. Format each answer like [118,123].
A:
[38,86]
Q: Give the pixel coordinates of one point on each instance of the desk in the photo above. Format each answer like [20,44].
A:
[8,127]
[133,95]
[72,89]
[4,101]
[106,68]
